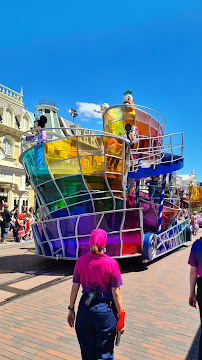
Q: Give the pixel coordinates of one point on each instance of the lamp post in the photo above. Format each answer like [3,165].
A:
[73,113]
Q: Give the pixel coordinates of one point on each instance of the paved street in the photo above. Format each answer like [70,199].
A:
[34,295]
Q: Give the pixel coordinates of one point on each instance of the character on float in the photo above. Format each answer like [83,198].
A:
[131,135]
[40,135]
[103,107]
[129,112]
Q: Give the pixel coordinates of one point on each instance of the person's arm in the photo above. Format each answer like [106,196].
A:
[2,209]
[73,296]
[192,295]
[116,292]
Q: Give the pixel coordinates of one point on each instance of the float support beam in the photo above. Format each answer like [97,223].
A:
[137,193]
[171,187]
[161,203]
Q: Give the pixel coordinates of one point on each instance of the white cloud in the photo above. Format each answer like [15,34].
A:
[99,122]
[87,110]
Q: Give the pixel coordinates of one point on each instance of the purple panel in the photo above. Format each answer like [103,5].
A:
[40,233]
[51,229]
[37,245]
[87,224]
[84,245]
[112,221]
[70,247]
[56,245]
[47,249]
[132,220]
[113,245]
[67,227]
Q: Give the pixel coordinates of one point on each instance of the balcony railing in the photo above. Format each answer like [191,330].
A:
[11,94]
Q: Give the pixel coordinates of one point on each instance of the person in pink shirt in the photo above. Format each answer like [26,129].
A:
[100,304]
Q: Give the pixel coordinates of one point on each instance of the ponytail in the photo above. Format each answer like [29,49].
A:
[94,249]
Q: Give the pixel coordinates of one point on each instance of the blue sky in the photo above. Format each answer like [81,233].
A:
[92,51]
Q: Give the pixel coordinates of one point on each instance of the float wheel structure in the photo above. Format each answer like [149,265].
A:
[149,246]
[189,233]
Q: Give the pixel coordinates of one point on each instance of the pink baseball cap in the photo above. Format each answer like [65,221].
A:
[98,238]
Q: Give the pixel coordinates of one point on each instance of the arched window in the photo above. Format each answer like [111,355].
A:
[8,118]
[6,145]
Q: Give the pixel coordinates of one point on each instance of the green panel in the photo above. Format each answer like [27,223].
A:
[71,185]
[119,204]
[77,199]
[40,175]
[104,204]
[96,182]
[49,192]
[57,205]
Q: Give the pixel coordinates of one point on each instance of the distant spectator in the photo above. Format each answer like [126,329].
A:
[194,222]
[28,227]
[6,220]
[195,260]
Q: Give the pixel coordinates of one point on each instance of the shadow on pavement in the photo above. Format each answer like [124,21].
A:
[193,351]
[28,264]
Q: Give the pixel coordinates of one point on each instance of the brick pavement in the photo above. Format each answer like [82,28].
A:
[160,323]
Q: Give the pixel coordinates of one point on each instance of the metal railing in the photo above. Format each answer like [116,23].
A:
[154,152]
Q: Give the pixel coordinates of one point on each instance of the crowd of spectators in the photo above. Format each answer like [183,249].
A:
[19,223]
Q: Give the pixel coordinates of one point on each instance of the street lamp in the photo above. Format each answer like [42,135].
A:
[73,113]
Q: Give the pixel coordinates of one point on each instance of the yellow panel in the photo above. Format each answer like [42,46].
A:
[129,113]
[113,164]
[60,149]
[90,145]
[92,164]
[113,146]
[114,114]
[113,118]
[65,167]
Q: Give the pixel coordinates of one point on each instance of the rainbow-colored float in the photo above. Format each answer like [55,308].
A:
[94,179]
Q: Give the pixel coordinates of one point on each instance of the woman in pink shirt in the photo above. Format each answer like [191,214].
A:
[101,301]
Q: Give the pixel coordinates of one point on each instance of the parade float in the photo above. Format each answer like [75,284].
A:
[112,179]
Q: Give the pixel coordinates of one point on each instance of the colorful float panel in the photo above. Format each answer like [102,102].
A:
[68,237]
[72,177]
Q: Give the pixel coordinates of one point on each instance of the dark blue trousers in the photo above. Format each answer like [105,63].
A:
[96,329]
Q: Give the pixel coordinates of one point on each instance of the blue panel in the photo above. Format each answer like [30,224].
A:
[34,158]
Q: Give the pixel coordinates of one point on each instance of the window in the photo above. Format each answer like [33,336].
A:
[6,145]
[47,111]
[8,118]
[17,124]
[1,120]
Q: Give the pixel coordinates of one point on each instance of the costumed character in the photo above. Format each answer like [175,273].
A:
[40,136]
[129,112]
[131,135]
[103,107]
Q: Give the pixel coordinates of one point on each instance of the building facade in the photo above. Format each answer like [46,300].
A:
[14,120]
